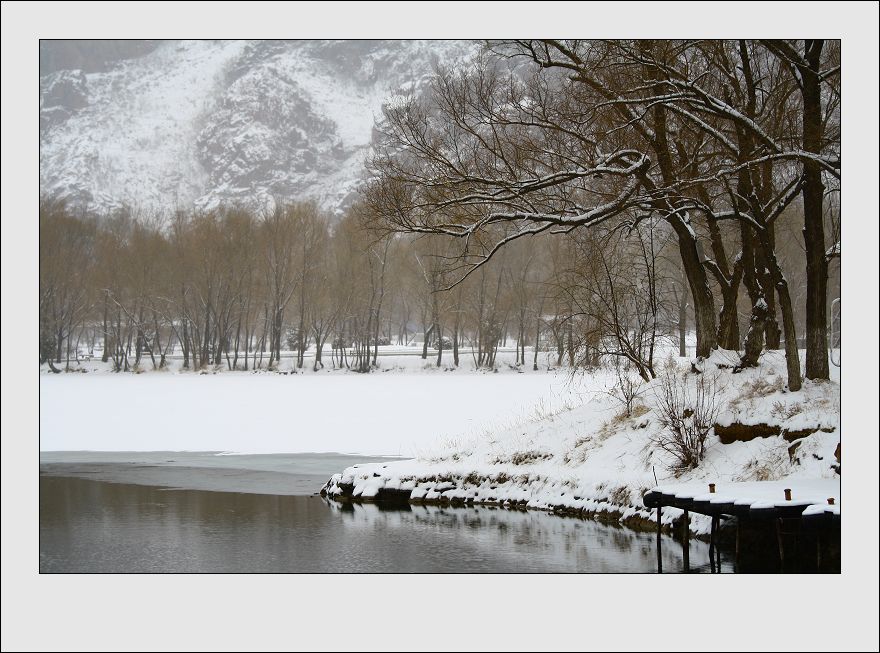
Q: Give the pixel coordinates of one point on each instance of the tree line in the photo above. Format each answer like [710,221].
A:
[234,288]
[590,199]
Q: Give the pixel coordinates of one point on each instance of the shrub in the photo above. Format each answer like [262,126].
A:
[784,412]
[628,386]
[687,407]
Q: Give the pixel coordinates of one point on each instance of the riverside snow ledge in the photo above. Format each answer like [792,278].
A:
[364,484]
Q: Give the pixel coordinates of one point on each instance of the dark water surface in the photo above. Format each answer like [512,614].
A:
[100,526]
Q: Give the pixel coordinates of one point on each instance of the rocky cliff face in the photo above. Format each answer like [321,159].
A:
[199,123]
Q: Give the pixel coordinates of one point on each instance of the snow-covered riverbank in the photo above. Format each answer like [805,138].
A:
[593,459]
[517,437]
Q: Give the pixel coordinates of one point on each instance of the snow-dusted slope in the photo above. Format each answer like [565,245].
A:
[591,457]
[197,123]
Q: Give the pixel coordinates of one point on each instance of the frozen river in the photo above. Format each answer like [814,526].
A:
[384,413]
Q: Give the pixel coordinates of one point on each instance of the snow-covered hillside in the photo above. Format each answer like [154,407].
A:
[197,123]
[592,458]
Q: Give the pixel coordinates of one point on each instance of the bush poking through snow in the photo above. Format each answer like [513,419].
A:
[768,466]
[628,386]
[783,412]
[762,387]
[522,458]
[621,496]
[687,407]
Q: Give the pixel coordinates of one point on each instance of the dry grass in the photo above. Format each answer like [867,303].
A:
[472,479]
[784,411]
[455,456]
[639,410]
[521,458]
[758,388]
[580,442]
[578,453]
[620,496]
[437,478]
[768,466]
[543,410]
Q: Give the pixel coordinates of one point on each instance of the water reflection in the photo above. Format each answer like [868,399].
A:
[493,539]
[90,526]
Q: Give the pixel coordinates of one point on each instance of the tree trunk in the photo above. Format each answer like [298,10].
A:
[439,331]
[755,336]
[701,294]
[427,335]
[728,318]
[247,345]
[772,332]
[59,340]
[185,346]
[814,231]
[537,341]
[67,350]
[319,350]
[237,342]
[456,333]
[791,349]
[682,322]
[560,345]
[105,355]
[792,359]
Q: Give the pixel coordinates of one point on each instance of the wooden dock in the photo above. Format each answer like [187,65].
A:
[797,510]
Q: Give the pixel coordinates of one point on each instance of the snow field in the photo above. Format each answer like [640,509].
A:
[410,408]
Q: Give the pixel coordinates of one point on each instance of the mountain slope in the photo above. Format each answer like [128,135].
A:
[199,123]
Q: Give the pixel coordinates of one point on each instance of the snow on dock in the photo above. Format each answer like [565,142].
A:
[787,505]
[812,494]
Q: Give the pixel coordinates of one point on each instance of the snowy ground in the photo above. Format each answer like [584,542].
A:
[408,407]
[589,456]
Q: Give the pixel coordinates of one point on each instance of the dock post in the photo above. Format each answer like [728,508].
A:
[659,541]
[779,543]
[712,547]
[736,552]
[717,548]
[687,541]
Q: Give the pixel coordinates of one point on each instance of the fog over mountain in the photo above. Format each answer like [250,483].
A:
[165,124]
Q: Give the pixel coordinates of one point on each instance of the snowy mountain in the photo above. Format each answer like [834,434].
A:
[199,123]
